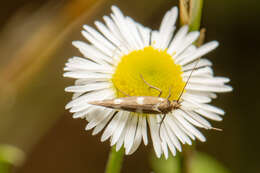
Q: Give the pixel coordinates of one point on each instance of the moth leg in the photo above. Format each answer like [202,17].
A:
[122,92]
[150,86]
[169,93]
[160,126]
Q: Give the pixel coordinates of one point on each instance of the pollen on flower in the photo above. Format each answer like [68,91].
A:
[157,68]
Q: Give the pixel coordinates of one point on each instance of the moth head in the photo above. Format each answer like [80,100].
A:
[166,106]
[175,104]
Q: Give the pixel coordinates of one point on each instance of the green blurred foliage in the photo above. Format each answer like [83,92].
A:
[161,165]
[9,156]
[201,163]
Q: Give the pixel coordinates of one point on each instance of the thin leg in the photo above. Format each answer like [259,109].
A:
[151,86]
[122,92]
[160,126]
[170,93]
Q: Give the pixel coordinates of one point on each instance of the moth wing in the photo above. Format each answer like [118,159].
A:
[145,104]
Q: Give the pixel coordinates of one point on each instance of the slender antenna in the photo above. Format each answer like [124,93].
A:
[207,127]
[188,79]
[217,129]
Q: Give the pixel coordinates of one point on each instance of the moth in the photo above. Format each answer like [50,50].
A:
[142,104]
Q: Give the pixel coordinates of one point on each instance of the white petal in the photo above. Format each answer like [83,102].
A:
[111,127]
[209,115]
[154,130]
[99,45]
[190,119]
[138,137]
[145,34]
[187,132]
[93,53]
[171,134]
[89,87]
[120,127]
[135,33]
[202,63]
[200,119]
[169,142]
[99,37]
[169,19]
[104,122]
[202,50]
[78,64]
[201,72]
[130,134]
[109,35]
[209,88]
[154,39]
[80,107]
[93,96]
[88,75]
[100,116]
[189,127]
[188,40]
[213,109]
[207,81]
[178,38]
[144,129]
[177,131]
[122,25]
[122,136]
[167,28]
[83,113]
[196,98]
[203,94]
[164,143]
[189,51]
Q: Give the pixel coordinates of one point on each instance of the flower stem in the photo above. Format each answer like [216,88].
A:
[186,159]
[115,160]
[195,14]
[191,12]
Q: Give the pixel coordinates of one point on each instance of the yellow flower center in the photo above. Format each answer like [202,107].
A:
[157,68]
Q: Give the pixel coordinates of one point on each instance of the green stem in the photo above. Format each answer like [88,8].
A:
[4,167]
[115,160]
[195,13]
[186,159]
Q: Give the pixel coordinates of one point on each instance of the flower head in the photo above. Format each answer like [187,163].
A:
[116,57]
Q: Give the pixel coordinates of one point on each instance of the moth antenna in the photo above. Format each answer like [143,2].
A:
[217,129]
[151,86]
[188,79]
[207,127]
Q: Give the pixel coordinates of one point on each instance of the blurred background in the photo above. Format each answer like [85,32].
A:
[35,42]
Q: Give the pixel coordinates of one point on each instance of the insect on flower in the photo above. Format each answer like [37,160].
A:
[146,104]
[134,81]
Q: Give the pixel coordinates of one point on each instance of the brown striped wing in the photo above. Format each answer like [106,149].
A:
[141,104]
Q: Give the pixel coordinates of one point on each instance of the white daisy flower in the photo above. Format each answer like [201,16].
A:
[113,60]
